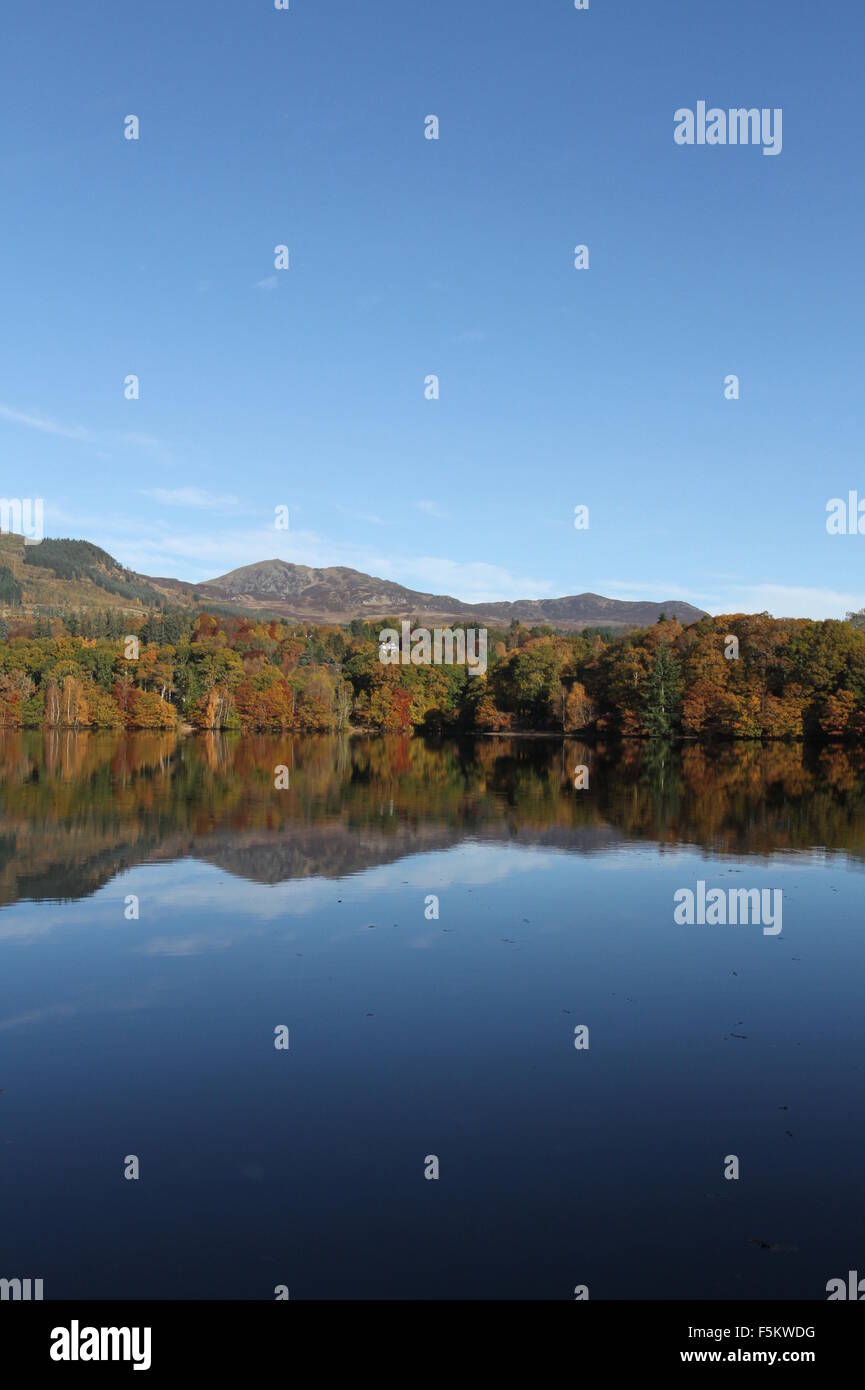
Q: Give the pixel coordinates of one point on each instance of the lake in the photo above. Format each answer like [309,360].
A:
[432,927]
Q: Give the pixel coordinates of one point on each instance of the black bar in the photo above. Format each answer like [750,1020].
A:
[240,1338]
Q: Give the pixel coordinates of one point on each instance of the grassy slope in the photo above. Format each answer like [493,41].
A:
[45,589]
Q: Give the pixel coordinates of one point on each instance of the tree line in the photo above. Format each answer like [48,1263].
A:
[739,676]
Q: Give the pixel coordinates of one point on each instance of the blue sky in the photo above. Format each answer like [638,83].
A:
[305,388]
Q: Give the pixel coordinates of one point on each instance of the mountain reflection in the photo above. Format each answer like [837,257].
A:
[77,809]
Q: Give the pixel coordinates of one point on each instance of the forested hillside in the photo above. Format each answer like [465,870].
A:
[58,576]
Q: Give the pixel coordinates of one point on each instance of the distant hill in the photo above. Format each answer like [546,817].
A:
[338,594]
[75,575]
[69,575]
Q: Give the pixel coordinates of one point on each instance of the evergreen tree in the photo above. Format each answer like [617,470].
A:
[663,693]
[10,589]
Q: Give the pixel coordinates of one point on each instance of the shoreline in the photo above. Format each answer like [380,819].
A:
[590,738]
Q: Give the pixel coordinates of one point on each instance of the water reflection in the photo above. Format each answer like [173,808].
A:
[77,809]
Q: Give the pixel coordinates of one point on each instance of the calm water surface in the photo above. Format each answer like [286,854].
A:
[412,1036]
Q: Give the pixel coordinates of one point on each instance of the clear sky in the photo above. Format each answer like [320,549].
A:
[408,256]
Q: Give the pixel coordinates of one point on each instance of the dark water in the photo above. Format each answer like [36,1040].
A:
[411,1036]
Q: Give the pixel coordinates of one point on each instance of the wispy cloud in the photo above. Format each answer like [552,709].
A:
[430,509]
[638,590]
[81,434]
[32,421]
[473,581]
[781,600]
[793,600]
[271,282]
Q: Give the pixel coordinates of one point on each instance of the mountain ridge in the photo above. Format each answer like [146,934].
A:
[76,574]
[340,593]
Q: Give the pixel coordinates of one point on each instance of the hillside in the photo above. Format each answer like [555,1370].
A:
[69,575]
[338,594]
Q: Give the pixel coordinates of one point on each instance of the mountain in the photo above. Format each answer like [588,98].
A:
[338,594]
[74,575]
